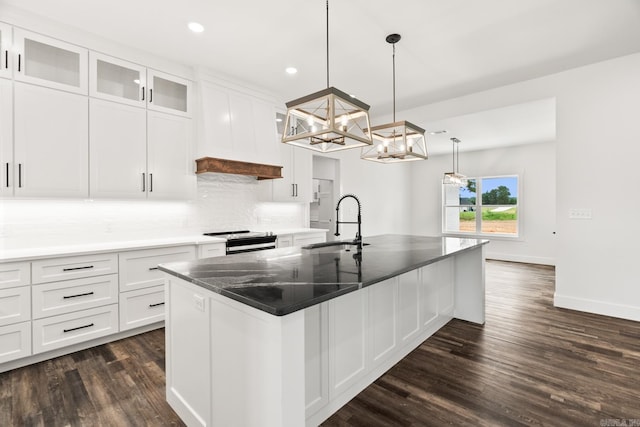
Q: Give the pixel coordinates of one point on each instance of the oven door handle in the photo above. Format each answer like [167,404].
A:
[250,248]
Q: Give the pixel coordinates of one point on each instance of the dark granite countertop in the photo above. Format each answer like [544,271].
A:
[281,281]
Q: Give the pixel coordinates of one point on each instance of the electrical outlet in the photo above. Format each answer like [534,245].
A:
[580,213]
[199,302]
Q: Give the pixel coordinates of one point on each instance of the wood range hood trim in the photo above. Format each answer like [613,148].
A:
[259,170]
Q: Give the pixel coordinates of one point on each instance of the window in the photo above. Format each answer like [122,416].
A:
[495,213]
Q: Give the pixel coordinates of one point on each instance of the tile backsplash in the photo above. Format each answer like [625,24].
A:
[223,202]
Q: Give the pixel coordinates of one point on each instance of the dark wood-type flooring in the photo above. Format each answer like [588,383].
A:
[530,364]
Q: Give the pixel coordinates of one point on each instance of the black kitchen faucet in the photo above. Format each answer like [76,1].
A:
[358,239]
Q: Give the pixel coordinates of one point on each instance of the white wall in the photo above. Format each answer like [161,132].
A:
[534,163]
[383,190]
[597,149]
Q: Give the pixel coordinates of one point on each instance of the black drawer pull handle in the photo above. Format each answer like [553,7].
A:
[153,268]
[79,327]
[78,268]
[6,59]
[7,165]
[156,305]
[79,295]
[143,93]
[19,61]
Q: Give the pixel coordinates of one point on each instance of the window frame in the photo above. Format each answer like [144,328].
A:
[478,209]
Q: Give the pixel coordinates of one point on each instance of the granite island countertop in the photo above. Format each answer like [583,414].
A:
[282,281]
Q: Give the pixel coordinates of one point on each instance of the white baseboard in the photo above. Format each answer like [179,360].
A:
[597,307]
[521,258]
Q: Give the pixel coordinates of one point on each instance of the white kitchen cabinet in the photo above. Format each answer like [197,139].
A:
[6,66]
[118,147]
[409,306]
[51,299]
[168,93]
[303,239]
[300,239]
[6,138]
[51,154]
[14,274]
[446,279]
[383,322]
[316,358]
[296,182]
[347,318]
[428,294]
[15,305]
[73,267]
[212,250]
[15,341]
[49,62]
[141,307]
[158,163]
[170,162]
[139,269]
[284,240]
[116,80]
[72,328]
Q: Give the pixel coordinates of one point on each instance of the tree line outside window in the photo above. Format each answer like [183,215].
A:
[494,213]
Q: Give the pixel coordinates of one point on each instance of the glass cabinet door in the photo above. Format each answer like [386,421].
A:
[117,80]
[168,93]
[49,62]
[5,46]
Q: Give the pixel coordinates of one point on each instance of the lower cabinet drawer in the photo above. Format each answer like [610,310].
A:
[15,341]
[139,269]
[15,305]
[211,250]
[51,299]
[15,274]
[141,307]
[67,329]
[74,267]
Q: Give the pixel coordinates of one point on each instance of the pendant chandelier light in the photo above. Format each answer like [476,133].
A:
[328,120]
[455,177]
[396,141]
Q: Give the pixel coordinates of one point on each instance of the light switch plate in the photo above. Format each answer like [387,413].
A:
[580,213]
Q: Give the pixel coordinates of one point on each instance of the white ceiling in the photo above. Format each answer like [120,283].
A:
[449,47]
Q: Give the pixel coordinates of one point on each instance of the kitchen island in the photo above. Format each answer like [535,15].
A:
[285,337]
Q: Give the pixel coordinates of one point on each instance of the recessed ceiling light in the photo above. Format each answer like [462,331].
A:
[278,120]
[291,70]
[438,132]
[195,27]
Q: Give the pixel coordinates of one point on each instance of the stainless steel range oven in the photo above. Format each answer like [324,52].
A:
[246,241]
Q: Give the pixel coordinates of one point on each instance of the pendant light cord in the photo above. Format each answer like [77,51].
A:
[327,44]
[394,82]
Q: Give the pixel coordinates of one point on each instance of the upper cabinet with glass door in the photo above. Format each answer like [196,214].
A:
[117,80]
[5,48]
[169,94]
[49,62]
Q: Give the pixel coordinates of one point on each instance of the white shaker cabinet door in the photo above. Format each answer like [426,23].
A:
[6,57]
[118,141]
[50,62]
[168,93]
[51,142]
[171,165]
[6,138]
